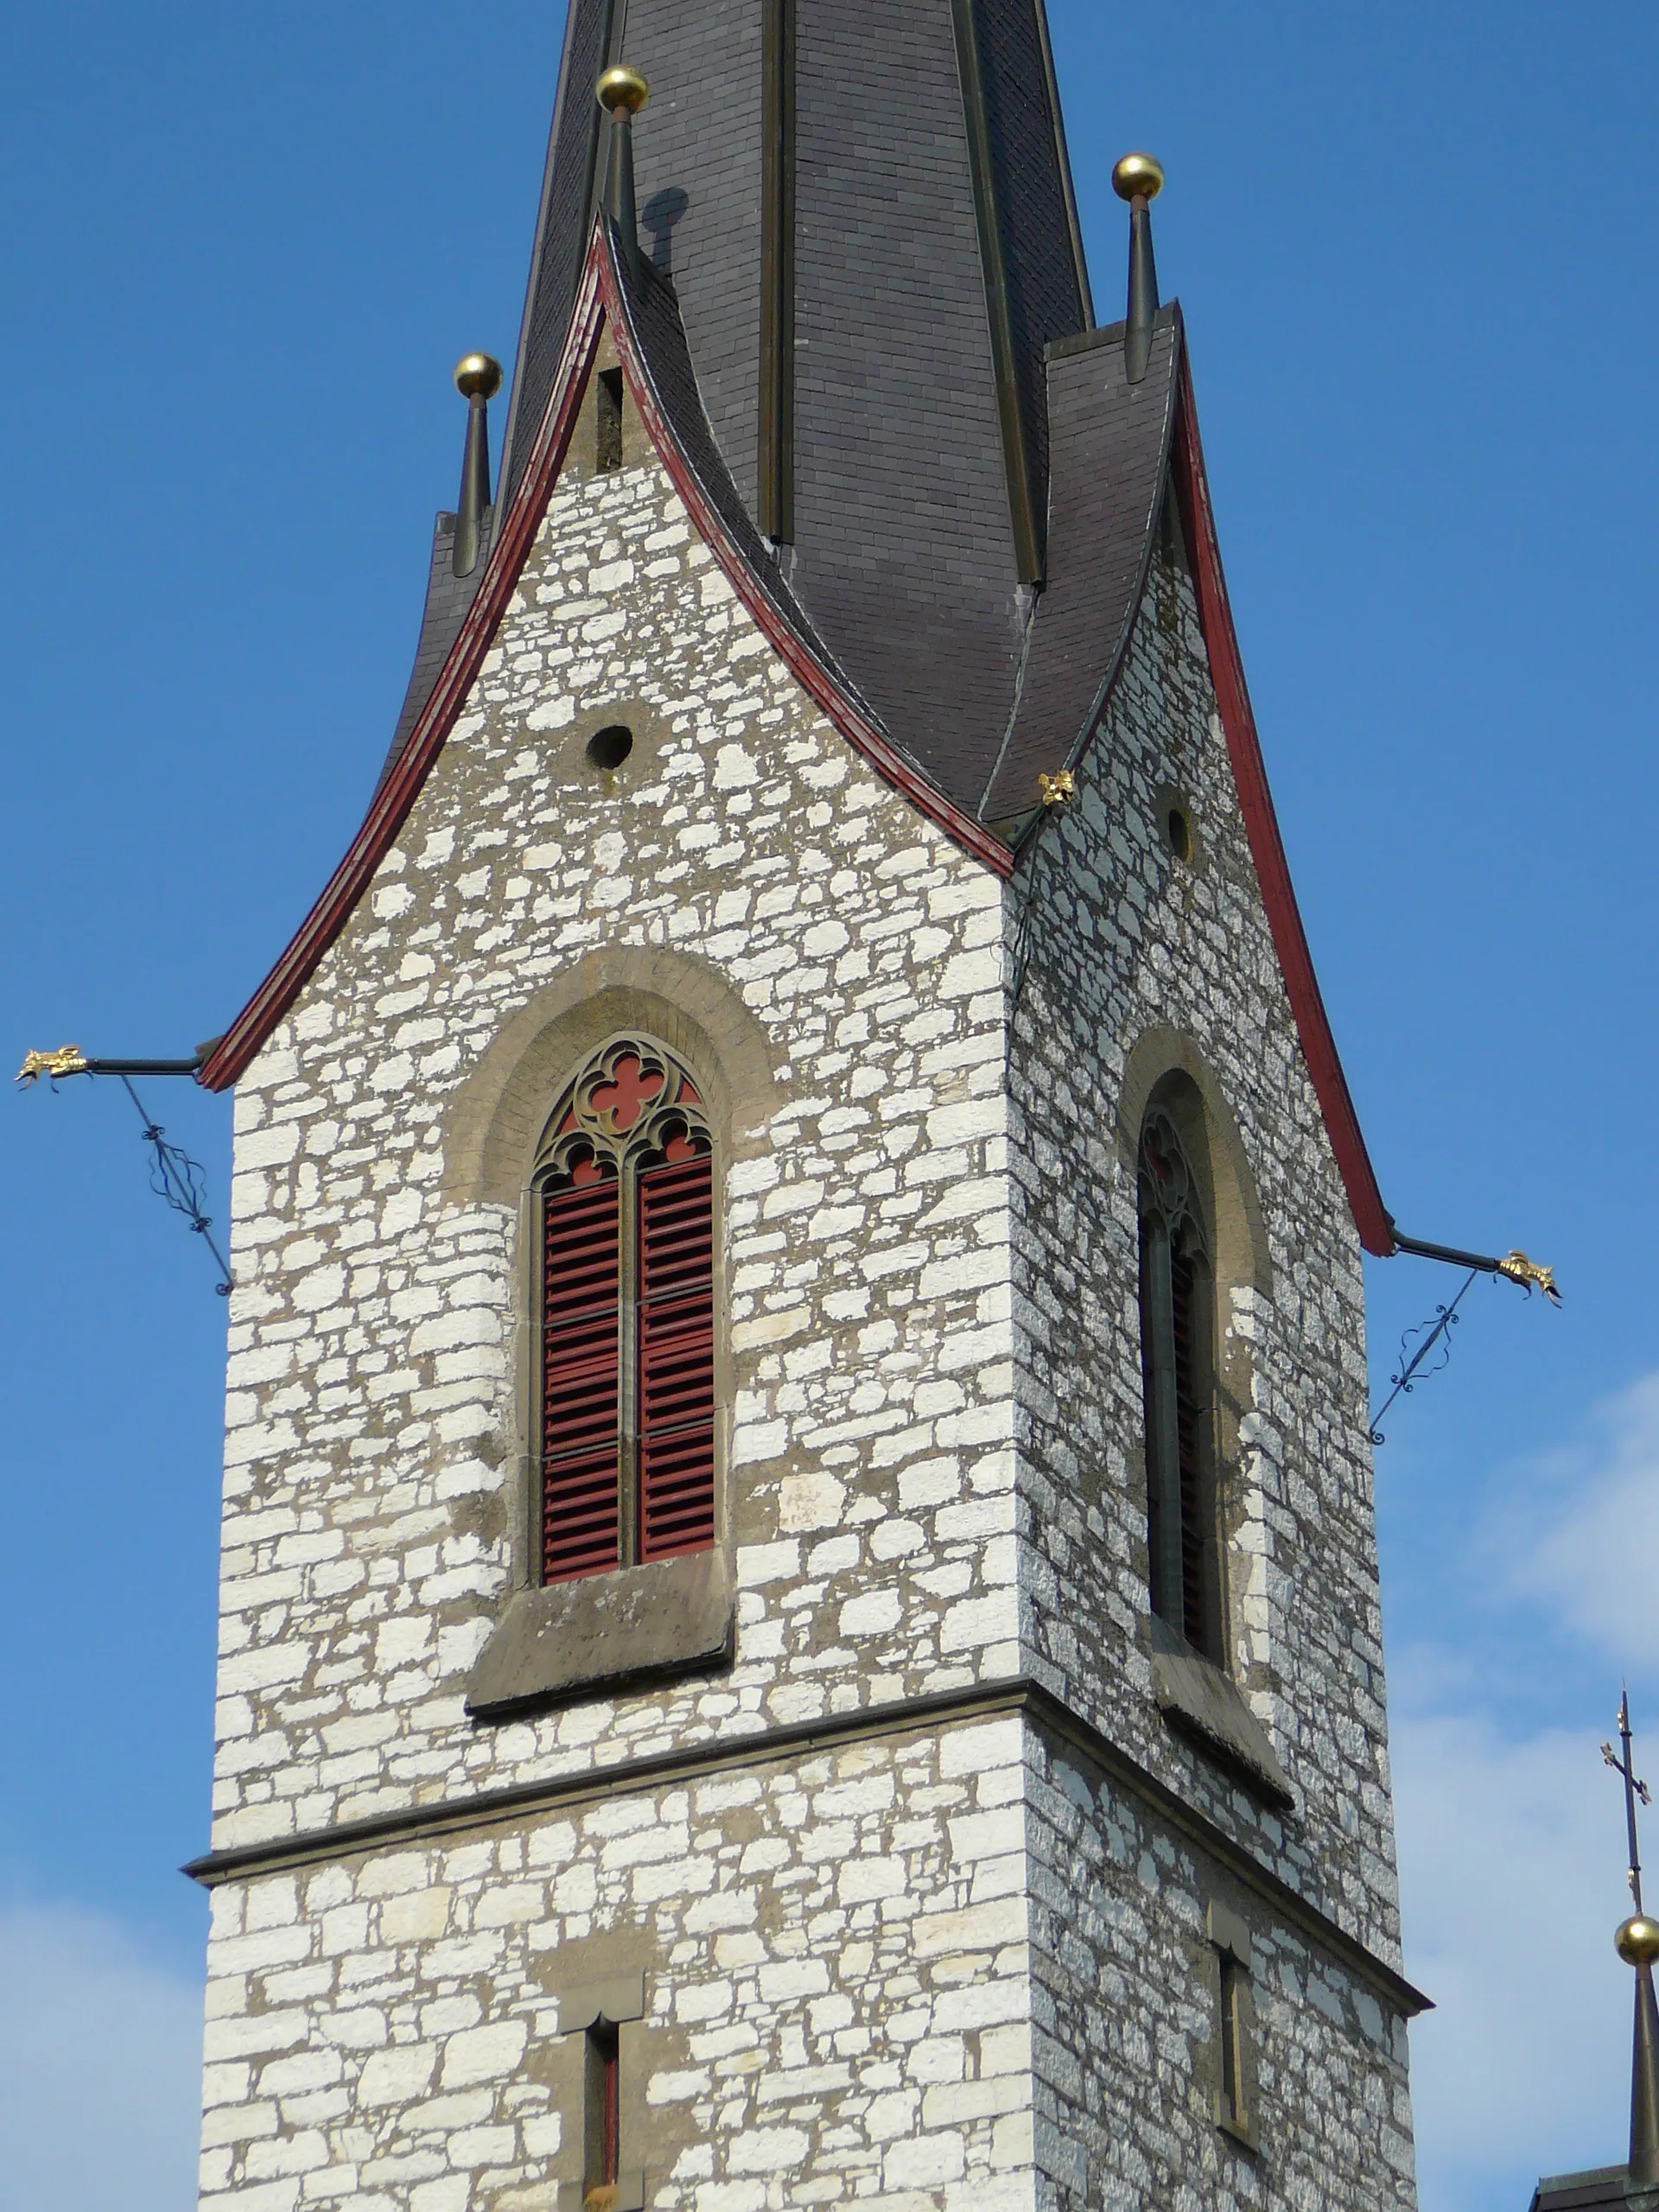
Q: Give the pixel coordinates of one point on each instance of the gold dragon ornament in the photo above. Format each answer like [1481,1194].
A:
[68,1059]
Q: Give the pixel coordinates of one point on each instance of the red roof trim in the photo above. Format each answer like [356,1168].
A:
[1371,1217]
[391,802]
[600,296]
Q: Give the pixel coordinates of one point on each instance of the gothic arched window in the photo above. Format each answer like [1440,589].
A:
[625,1194]
[1178,1373]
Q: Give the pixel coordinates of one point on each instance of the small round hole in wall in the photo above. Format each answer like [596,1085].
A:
[608,748]
[1178,831]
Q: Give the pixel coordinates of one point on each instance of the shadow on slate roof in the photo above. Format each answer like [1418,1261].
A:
[1110,442]
[916,203]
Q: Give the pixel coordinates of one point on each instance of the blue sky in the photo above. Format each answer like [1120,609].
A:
[1415,246]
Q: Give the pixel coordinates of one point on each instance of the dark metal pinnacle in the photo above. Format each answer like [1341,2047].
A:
[474,485]
[1143,290]
[620,204]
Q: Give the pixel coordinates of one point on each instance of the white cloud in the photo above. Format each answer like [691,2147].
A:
[1511,1847]
[100,2052]
[1582,1532]
[1511,1875]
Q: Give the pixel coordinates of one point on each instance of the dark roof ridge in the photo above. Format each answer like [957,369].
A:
[1104,509]
[1598,2188]
[1125,448]
[650,309]
[443,611]
[654,352]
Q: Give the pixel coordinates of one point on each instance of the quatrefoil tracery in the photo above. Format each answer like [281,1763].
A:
[632,1102]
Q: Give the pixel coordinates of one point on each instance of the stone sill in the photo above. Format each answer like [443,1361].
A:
[1202,1703]
[602,1631]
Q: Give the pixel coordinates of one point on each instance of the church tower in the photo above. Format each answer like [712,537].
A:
[800,1613]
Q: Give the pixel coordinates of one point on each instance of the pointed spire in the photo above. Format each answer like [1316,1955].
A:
[477,379]
[1637,1944]
[1138,178]
[622,92]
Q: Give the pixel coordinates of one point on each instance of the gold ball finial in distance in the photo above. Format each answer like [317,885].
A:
[478,375]
[1138,176]
[1637,1940]
[622,88]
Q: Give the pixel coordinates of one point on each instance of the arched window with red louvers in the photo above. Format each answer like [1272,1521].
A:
[625,1197]
[1177,1375]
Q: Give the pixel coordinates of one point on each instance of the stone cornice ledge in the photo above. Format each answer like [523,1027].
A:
[1019,1696]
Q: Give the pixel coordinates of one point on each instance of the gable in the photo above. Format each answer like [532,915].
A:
[643,327]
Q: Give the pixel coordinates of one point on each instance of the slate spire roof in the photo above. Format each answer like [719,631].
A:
[934,252]
[936,489]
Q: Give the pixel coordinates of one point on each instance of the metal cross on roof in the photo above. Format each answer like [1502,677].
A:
[1624,1766]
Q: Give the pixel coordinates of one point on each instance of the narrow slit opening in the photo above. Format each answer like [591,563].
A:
[602,2157]
[609,403]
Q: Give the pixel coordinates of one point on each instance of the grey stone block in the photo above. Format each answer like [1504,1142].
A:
[644,1621]
[1195,1695]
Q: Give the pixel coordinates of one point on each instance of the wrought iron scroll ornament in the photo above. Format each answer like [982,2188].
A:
[1411,1367]
[178,1179]
[173,1175]
[1411,1370]
[633,1101]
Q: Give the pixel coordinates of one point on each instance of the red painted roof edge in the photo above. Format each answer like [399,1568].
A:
[389,807]
[1371,1217]
[598,296]
[781,633]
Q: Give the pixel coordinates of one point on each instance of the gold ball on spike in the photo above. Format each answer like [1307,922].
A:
[1637,1940]
[622,88]
[1138,176]
[478,375]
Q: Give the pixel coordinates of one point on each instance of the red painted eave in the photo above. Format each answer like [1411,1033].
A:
[600,297]
[1371,1217]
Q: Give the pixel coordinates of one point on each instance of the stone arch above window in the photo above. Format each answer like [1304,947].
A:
[1167,1066]
[494,1121]
[625,1404]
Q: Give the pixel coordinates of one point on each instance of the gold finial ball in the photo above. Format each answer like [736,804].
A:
[478,375]
[1637,1940]
[622,88]
[1138,176]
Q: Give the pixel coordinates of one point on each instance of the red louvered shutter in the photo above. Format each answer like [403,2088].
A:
[581,1374]
[677,1353]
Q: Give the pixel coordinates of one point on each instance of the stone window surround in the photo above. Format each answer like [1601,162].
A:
[617,2000]
[1200,1700]
[555,1642]
[1229,1943]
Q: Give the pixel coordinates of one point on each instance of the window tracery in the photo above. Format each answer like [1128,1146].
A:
[625,1187]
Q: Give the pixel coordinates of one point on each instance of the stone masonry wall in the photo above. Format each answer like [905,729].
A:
[369,1509]
[837,2001]
[1125,938]
[1125,2011]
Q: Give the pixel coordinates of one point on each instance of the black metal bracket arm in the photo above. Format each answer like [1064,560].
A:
[1516,1267]
[173,1175]
[1411,1368]
[69,1059]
